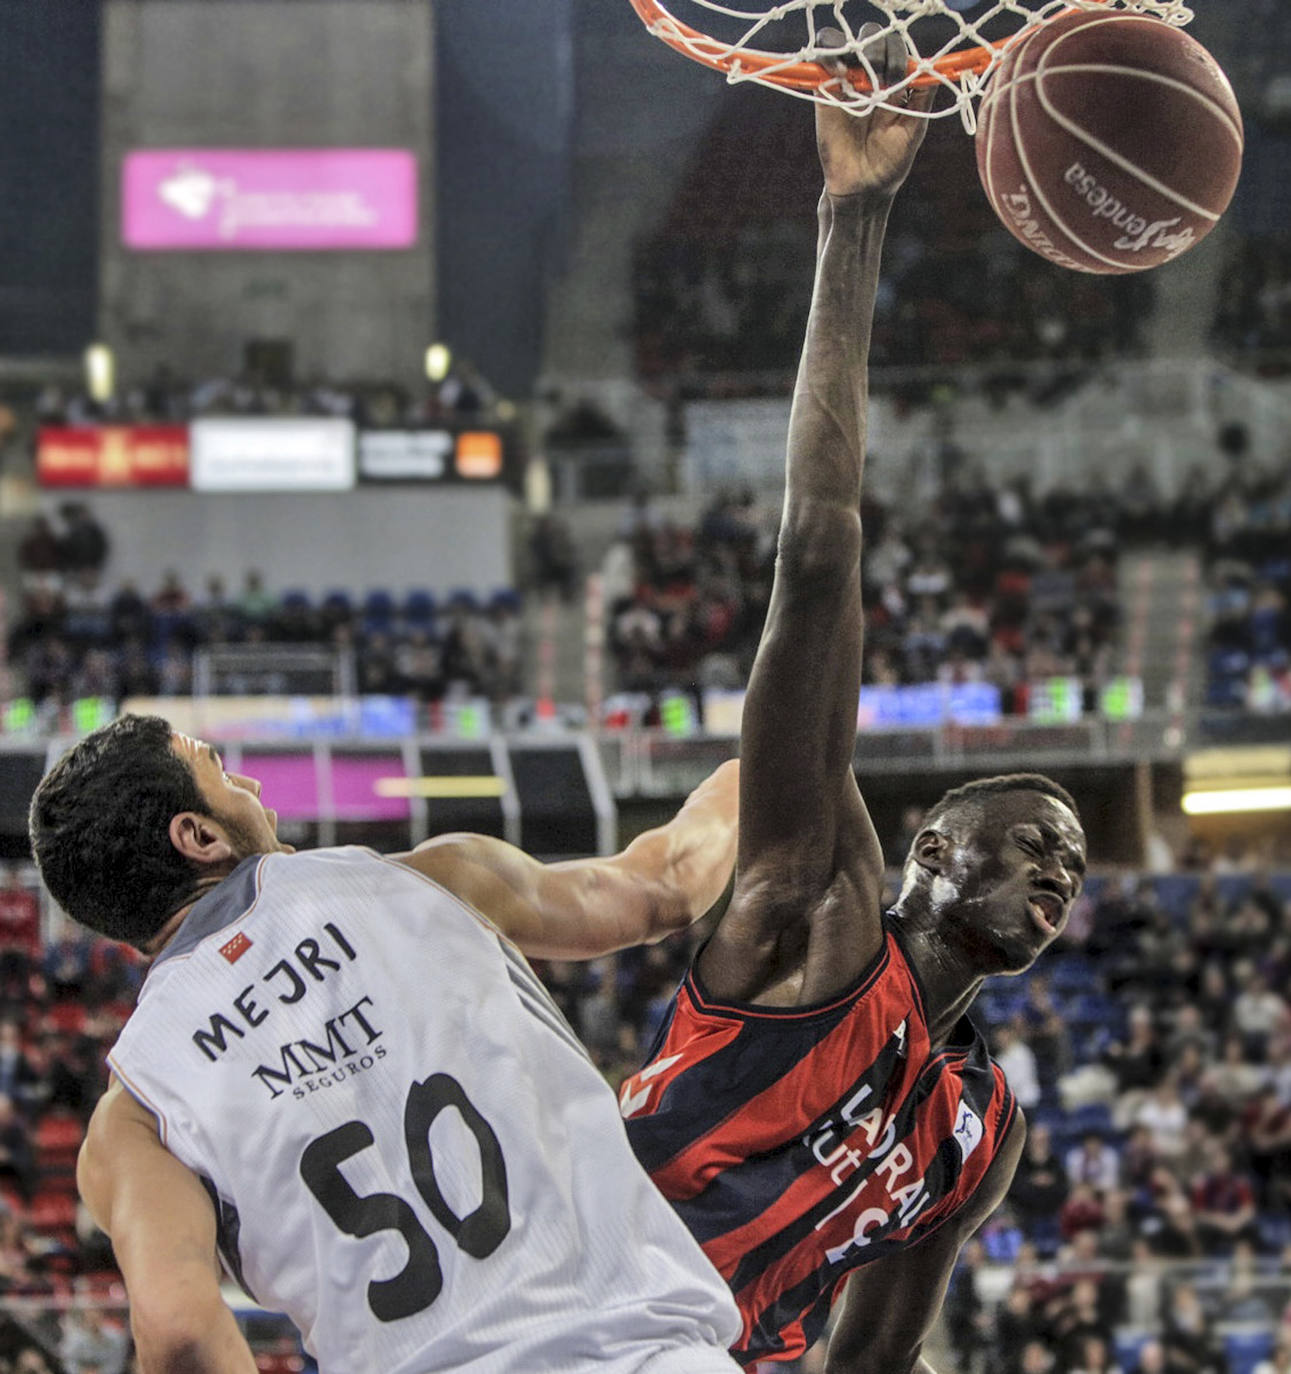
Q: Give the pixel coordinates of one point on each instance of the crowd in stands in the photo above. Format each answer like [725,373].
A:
[685,606]
[1248,552]
[1152,1055]
[723,286]
[989,585]
[166,398]
[73,637]
[984,584]
[996,585]
[62,1004]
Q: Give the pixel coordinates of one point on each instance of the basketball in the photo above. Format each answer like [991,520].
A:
[1109,142]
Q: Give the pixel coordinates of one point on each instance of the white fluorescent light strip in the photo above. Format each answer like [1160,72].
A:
[441,788]
[1237,799]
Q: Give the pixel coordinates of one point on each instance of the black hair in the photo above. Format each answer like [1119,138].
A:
[1006,782]
[100,829]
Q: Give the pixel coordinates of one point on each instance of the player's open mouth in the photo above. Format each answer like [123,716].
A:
[1046,911]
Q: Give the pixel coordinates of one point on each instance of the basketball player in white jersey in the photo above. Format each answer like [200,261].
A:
[344,1083]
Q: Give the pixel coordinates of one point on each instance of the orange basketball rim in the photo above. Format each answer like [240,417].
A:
[804,77]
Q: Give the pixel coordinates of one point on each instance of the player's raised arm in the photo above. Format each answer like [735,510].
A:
[162,1226]
[806,839]
[664,881]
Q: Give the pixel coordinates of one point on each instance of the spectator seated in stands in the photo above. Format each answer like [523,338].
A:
[1224,1202]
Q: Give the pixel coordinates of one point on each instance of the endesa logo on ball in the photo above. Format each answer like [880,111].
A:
[219,199]
[1139,231]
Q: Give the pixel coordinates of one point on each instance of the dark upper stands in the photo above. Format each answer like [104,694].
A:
[723,286]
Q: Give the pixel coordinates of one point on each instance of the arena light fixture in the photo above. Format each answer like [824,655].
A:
[439,358]
[1229,800]
[442,788]
[100,372]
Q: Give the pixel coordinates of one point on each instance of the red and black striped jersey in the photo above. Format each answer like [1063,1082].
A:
[799,1143]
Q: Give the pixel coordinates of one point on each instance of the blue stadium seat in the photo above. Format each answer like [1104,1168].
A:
[1233,887]
[1223,692]
[378,611]
[1129,1342]
[1001,1243]
[1046,1235]
[1228,662]
[1093,1116]
[1175,892]
[1247,1347]
[419,609]
[1276,570]
[1095,1009]
[1074,974]
[1275,1232]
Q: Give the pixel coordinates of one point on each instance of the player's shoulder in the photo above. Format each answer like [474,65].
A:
[335,862]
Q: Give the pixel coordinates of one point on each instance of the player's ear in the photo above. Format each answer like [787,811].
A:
[930,850]
[199,838]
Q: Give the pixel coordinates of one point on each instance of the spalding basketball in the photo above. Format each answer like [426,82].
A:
[1109,142]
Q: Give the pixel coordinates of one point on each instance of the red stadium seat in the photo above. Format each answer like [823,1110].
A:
[57,1140]
[68,1017]
[52,1210]
[57,1132]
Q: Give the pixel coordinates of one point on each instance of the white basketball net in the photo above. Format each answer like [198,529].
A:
[739,56]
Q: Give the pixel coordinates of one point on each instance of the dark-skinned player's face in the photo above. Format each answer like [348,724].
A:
[1002,881]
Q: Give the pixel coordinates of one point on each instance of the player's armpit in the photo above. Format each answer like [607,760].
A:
[889,1306]
[664,881]
[163,1232]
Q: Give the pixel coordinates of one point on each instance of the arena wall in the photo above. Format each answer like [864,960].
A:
[398,539]
[249,74]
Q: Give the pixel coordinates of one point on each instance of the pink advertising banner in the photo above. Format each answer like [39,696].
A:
[221,199]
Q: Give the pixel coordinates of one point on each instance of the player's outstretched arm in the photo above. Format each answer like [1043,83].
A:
[162,1226]
[806,839]
[664,881]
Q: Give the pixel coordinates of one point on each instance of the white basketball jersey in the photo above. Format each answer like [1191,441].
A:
[408,1150]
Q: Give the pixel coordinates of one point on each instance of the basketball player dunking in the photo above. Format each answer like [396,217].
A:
[816,1106]
[344,1080]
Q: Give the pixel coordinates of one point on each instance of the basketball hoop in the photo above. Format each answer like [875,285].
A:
[961,52]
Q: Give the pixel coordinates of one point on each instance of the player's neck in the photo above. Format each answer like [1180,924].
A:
[947,979]
[173,923]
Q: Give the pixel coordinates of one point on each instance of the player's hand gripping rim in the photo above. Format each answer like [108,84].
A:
[871,153]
